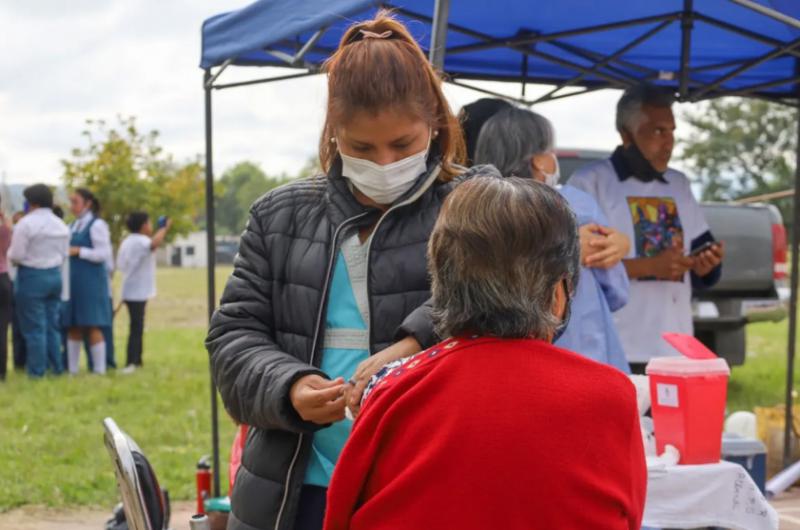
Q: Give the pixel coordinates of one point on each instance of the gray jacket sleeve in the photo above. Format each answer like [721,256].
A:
[419,324]
[251,372]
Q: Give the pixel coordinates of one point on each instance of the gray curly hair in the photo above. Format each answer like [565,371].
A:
[499,250]
[509,139]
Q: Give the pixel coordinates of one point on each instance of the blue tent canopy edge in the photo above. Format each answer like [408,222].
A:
[732,50]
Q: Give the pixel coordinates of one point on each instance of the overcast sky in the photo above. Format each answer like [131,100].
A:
[66,61]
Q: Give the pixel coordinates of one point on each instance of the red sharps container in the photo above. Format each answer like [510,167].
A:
[688,396]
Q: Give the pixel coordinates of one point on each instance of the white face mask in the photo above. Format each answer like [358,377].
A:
[551,179]
[385,184]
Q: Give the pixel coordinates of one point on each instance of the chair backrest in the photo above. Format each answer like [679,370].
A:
[142,498]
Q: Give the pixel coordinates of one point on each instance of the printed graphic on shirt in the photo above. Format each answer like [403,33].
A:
[656,225]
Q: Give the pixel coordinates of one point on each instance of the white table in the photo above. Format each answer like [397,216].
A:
[720,495]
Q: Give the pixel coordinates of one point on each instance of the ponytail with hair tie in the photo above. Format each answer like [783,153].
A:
[89,197]
[379,66]
[372,35]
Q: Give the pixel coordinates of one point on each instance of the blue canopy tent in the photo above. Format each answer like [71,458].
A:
[702,49]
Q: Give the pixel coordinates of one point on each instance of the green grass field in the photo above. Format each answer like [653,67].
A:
[761,381]
[51,448]
[51,436]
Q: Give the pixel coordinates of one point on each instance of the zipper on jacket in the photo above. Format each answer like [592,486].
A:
[322,305]
[431,179]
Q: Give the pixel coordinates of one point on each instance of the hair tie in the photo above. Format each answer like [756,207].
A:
[372,35]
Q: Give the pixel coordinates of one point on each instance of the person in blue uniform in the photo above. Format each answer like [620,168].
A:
[88,310]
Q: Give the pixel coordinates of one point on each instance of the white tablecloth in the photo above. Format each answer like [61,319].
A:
[721,495]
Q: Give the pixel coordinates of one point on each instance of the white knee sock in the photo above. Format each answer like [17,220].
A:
[98,352]
[73,355]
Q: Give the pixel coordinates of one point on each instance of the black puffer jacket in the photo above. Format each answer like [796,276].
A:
[268,330]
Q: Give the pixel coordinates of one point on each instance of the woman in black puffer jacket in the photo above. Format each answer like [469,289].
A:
[331,274]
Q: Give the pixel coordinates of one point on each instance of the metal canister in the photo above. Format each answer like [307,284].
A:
[199,522]
[203,482]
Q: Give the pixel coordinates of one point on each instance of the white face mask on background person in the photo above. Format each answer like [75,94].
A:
[551,179]
[385,184]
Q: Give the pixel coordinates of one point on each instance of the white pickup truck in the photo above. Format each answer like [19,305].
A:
[753,286]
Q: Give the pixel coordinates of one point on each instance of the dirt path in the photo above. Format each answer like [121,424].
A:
[40,518]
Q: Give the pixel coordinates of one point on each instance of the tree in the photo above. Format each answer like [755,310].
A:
[128,171]
[237,189]
[740,147]
[243,184]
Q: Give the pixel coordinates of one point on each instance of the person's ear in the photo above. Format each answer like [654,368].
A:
[559,301]
[534,168]
[537,170]
[627,137]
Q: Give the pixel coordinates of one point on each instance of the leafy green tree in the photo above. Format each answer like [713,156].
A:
[236,190]
[128,171]
[738,147]
[243,184]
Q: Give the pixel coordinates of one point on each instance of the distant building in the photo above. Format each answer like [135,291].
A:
[192,251]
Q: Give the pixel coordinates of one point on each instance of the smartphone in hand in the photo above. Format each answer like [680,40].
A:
[162,221]
[708,245]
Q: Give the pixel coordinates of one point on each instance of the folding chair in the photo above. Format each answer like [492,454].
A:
[146,505]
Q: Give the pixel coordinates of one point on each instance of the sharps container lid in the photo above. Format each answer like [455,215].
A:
[682,366]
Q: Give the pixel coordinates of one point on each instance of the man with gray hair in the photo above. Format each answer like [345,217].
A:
[653,204]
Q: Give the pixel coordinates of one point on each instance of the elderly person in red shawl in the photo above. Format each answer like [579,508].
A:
[495,427]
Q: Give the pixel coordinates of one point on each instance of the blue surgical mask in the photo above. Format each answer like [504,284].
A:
[26,207]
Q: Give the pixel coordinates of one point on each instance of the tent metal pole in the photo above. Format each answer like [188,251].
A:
[790,354]
[533,39]
[283,56]
[210,267]
[593,56]
[573,66]
[264,80]
[214,77]
[609,59]
[614,81]
[441,13]
[571,94]
[744,91]
[488,92]
[768,12]
[777,52]
[525,66]
[742,31]
[686,44]
[568,47]
[309,45]
[717,66]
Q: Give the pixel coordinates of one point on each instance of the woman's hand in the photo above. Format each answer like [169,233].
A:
[586,234]
[74,251]
[318,400]
[608,249]
[368,368]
